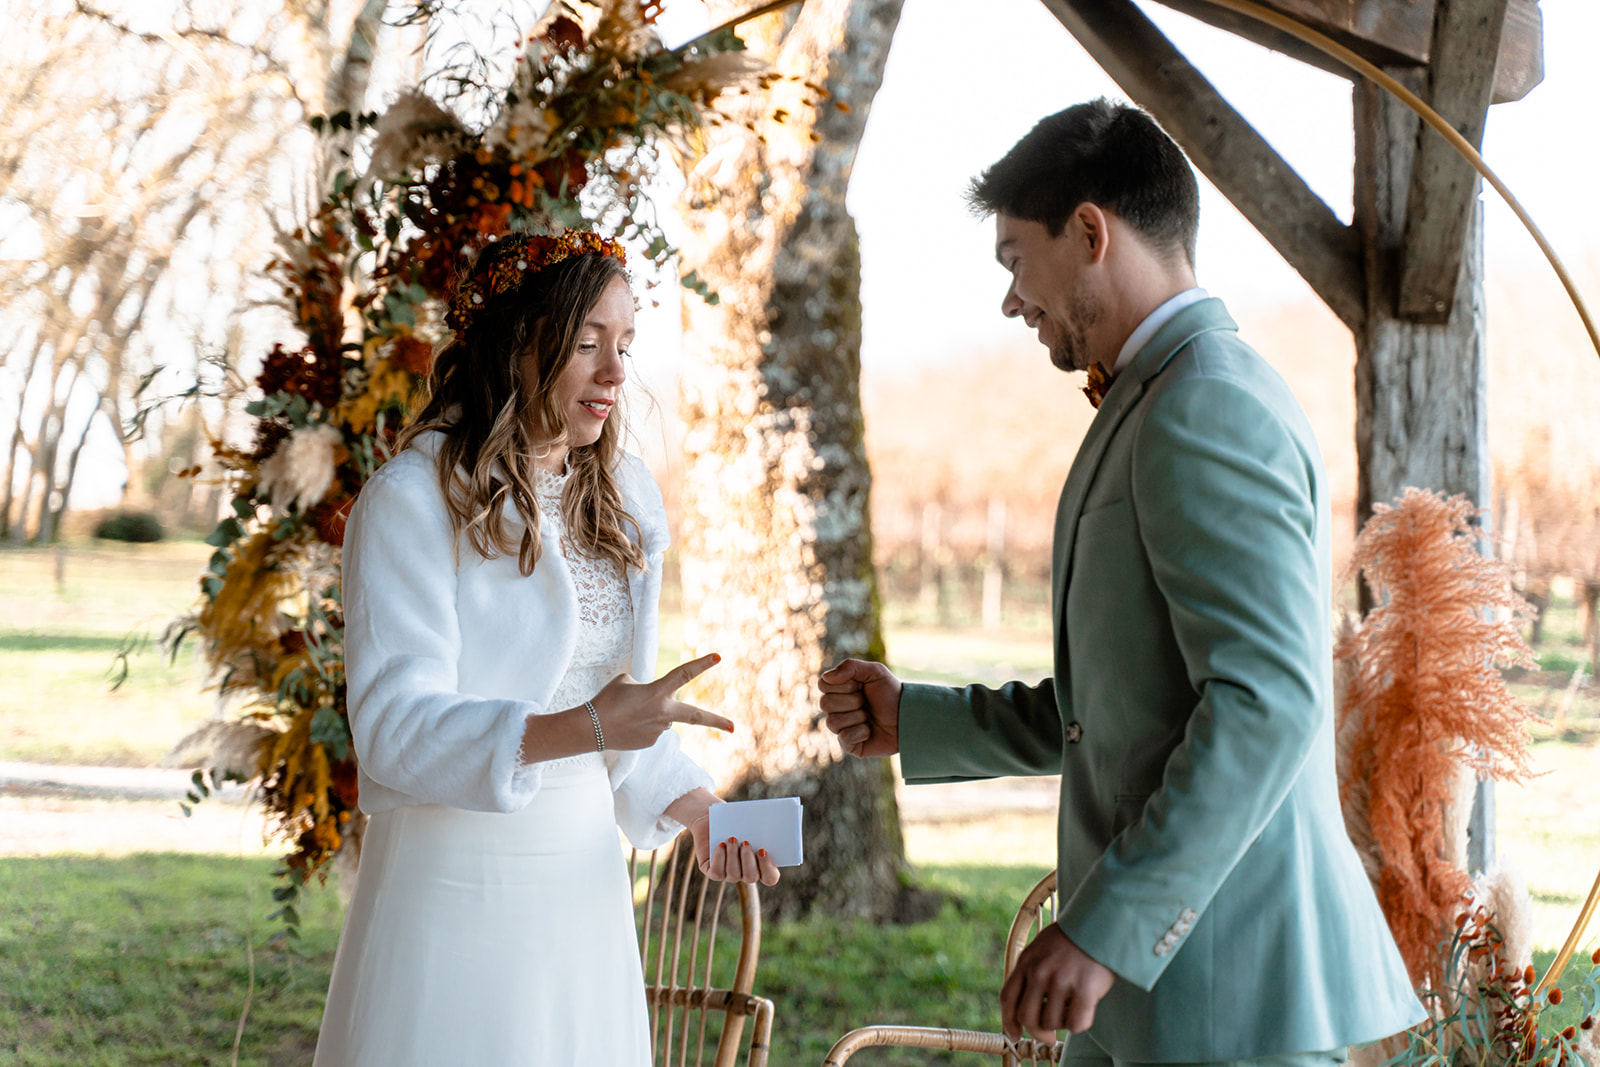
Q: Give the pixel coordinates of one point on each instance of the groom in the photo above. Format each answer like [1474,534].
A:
[1212,908]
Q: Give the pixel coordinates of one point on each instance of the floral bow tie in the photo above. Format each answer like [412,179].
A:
[1099,383]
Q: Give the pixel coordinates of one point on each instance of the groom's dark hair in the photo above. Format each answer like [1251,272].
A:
[1114,156]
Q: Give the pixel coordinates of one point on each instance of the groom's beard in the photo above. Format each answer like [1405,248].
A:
[1070,351]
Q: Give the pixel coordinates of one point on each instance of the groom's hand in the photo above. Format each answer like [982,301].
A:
[1054,986]
[862,702]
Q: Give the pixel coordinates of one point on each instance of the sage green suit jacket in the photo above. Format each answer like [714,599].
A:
[1202,853]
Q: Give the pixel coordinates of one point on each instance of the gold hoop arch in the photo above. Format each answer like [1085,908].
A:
[1334,49]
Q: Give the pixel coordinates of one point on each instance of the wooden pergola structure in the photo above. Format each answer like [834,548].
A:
[1406,276]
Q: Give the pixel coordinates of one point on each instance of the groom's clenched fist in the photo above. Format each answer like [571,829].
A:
[862,703]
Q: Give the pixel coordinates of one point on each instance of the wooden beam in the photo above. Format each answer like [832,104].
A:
[1520,65]
[1444,187]
[1225,147]
[1385,32]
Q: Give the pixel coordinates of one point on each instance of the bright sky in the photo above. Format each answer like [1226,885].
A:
[930,286]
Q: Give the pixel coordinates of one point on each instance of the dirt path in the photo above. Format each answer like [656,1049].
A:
[115,811]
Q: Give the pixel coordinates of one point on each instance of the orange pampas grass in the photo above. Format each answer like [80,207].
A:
[1426,702]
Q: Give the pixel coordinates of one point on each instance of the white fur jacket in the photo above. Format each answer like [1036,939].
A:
[445,660]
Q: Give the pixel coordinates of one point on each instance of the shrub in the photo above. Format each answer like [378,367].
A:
[136,526]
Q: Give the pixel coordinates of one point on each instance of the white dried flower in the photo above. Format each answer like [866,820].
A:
[524,128]
[228,750]
[1504,893]
[301,471]
[714,73]
[416,130]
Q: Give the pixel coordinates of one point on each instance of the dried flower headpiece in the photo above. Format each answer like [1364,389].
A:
[518,257]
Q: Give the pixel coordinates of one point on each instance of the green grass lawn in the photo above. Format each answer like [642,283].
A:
[58,648]
[142,960]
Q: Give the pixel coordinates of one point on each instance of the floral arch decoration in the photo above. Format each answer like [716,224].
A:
[573,141]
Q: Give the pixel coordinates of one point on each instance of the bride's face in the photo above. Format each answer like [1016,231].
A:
[587,390]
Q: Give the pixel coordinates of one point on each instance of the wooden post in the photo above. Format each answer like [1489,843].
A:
[1444,186]
[1590,590]
[1421,388]
[994,573]
[929,600]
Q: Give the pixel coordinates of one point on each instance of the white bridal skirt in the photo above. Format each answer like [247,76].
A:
[484,939]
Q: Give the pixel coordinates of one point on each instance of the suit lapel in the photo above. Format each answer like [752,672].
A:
[1185,326]
[1124,393]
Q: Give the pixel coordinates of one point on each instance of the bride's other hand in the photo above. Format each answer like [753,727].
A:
[634,714]
[731,860]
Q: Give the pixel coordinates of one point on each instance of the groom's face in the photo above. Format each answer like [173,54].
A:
[1048,290]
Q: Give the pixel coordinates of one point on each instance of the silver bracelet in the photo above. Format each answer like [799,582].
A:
[594,718]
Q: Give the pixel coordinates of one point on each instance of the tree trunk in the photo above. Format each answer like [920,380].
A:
[10,530]
[52,533]
[345,87]
[776,544]
[1421,389]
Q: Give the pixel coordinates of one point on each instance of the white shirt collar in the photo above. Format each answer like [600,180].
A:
[1153,322]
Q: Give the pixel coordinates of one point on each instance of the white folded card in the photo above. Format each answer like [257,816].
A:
[770,824]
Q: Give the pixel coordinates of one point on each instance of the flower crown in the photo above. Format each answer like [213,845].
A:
[518,257]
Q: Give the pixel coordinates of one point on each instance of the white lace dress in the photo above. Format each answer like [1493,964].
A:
[479,938]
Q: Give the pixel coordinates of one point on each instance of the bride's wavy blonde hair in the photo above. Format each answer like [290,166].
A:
[484,404]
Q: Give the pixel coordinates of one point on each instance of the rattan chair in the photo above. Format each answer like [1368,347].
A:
[1038,908]
[680,914]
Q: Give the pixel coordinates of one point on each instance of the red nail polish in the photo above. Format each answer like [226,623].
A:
[746,844]
[716,657]
[762,853]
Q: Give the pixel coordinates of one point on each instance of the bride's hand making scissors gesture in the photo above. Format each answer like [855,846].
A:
[634,714]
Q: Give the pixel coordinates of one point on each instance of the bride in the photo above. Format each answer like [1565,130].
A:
[501,575]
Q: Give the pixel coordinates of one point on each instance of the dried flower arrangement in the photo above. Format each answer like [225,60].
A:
[1424,713]
[593,96]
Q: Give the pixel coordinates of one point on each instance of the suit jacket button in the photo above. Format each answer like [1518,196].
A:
[1074,733]
[1162,948]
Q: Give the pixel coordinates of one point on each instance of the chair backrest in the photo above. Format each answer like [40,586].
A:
[693,993]
[1038,910]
